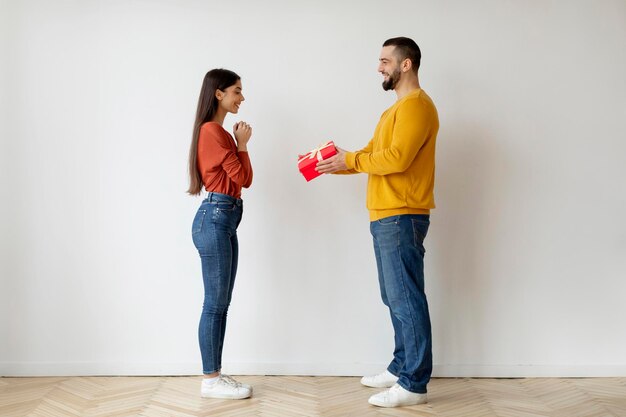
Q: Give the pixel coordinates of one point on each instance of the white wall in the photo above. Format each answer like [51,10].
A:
[4,171]
[525,256]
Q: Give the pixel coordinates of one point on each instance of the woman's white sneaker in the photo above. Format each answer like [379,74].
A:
[397,396]
[231,379]
[225,387]
[383,380]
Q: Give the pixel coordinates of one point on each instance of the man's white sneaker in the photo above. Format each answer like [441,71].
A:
[383,380]
[225,387]
[397,396]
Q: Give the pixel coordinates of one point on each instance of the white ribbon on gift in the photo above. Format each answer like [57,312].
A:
[316,153]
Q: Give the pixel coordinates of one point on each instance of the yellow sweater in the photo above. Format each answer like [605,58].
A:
[400,158]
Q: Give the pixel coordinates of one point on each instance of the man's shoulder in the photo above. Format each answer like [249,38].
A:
[420,97]
[417,102]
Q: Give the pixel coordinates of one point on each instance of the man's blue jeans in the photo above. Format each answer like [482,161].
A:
[214,233]
[399,249]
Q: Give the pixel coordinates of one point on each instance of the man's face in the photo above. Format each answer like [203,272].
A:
[389,67]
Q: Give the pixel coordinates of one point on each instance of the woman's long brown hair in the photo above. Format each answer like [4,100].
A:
[216,79]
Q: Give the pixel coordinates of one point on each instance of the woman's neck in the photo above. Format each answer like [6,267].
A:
[219,117]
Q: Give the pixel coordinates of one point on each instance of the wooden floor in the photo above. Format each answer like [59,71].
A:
[308,396]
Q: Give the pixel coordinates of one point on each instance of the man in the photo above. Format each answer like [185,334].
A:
[400,163]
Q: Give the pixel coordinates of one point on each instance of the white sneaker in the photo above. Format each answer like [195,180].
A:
[397,396]
[225,387]
[383,380]
[231,379]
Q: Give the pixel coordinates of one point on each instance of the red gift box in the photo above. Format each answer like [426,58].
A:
[307,163]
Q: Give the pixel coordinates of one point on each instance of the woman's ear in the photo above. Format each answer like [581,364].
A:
[219,94]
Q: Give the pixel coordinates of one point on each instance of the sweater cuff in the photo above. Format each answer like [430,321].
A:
[350,159]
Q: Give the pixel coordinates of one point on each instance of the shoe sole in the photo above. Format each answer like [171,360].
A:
[379,385]
[225,397]
[385,405]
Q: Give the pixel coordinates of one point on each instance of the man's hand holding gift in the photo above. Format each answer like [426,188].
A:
[307,163]
[334,163]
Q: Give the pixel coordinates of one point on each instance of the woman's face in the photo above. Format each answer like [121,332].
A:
[230,98]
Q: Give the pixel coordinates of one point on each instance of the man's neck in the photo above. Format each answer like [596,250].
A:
[407,85]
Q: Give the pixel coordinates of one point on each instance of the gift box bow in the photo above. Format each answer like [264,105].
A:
[316,153]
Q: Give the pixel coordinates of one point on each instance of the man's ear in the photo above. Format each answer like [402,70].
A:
[406,65]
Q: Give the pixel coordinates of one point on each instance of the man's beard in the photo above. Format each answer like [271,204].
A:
[390,83]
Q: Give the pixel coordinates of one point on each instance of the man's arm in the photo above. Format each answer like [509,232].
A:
[336,163]
[409,134]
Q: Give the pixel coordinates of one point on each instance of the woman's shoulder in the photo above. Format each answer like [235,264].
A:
[214,133]
[212,127]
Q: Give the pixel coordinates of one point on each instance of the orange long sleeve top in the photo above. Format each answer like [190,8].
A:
[223,169]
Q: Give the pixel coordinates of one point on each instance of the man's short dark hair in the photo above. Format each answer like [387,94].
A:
[406,48]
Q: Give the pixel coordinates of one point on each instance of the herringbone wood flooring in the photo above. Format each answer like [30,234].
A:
[276,396]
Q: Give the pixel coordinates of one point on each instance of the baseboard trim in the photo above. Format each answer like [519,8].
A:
[23,369]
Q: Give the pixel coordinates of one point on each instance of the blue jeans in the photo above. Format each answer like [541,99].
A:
[399,249]
[214,233]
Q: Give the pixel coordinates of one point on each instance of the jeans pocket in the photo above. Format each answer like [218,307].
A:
[420,229]
[225,206]
[227,215]
[389,220]
[198,221]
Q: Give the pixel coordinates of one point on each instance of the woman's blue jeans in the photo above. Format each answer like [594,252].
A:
[214,233]
[399,249]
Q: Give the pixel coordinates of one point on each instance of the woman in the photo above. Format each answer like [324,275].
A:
[220,164]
